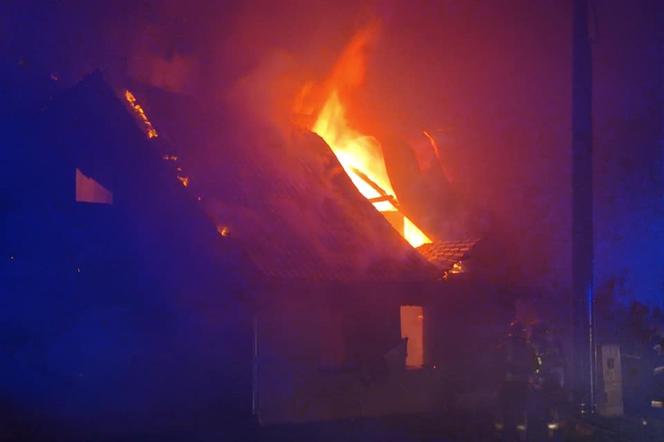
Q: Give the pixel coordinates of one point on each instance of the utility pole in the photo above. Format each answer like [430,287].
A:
[582,207]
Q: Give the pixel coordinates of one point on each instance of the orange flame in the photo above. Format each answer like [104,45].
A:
[354,150]
[360,155]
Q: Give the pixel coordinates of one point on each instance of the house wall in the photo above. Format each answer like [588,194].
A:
[297,379]
[465,323]
[104,334]
[116,319]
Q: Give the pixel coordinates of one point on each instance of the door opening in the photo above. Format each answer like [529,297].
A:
[412,328]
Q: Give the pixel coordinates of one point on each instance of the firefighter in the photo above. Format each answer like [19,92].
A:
[519,364]
[657,395]
[546,389]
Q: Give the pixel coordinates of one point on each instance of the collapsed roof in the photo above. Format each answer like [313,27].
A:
[284,198]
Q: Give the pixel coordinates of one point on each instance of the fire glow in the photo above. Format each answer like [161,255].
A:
[360,155]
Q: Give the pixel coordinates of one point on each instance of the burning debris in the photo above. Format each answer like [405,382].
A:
[184,180]
[448,256]
[151,133]
[149,129]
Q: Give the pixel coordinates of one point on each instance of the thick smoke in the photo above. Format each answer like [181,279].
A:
[493,82]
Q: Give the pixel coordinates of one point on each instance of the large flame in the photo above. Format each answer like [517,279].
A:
[355,151]
[360,155]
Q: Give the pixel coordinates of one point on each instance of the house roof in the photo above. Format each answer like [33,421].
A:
[88,129]
[444,254]
[284,197]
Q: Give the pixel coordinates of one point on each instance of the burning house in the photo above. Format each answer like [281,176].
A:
[304,302]
[337,288]
[348,288]
[287,255]
[286,212]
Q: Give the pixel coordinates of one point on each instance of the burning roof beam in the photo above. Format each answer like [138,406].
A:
[384,196]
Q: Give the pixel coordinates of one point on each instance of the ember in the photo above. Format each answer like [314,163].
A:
[457,267]
[184,180]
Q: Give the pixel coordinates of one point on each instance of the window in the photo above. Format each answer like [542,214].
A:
[90,191]
[412,328]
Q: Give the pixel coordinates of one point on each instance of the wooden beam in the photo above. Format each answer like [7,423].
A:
[384,196]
